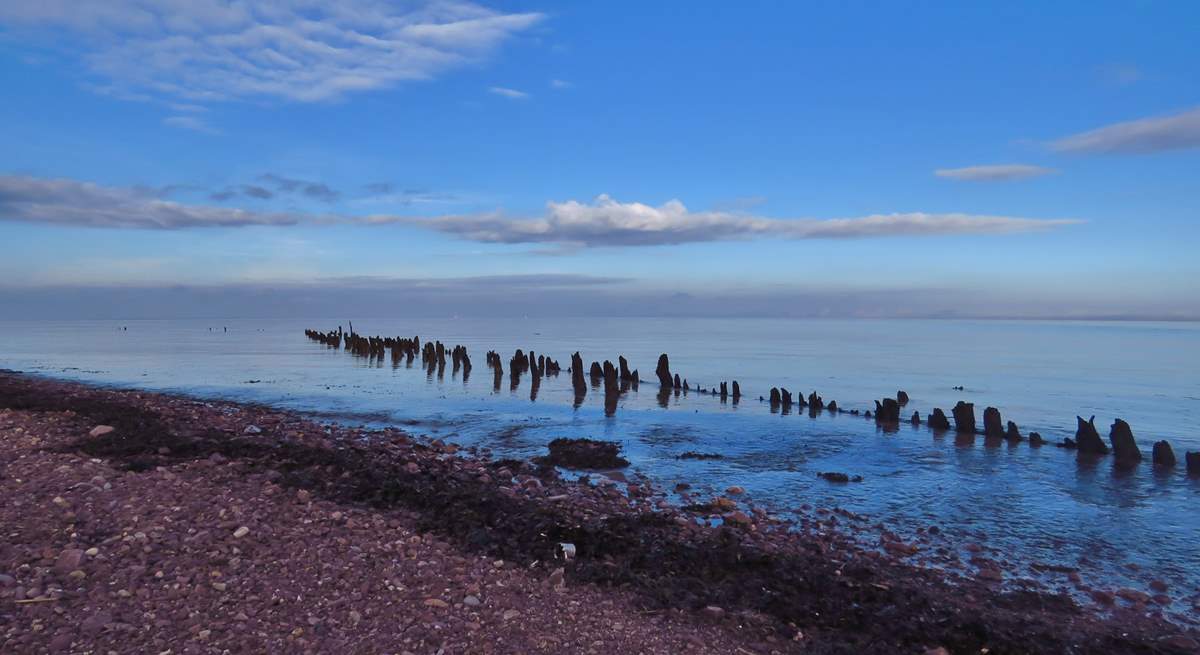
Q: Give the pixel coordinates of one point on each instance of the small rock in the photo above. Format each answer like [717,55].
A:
[96,623]
[436,602]
[92,552]
[737,518]
[303,496]
[355,617]
[1133,595]
[735,491]
[7,580]
[724,504]
[252,429]
[219,586]
[472,601]
[100,430]
[557,579]
[68,560]
[714,613]
[241,532]
[1102,597]
[77,575]
[511,614]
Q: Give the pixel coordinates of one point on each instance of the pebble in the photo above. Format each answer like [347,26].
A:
[737,518]
[68,560]
[472,601]
[92,552]
[557,579]
[436,602]
[100,430]
[735,491]
[511,614]
[1133,595]
[252,429]
[241,532]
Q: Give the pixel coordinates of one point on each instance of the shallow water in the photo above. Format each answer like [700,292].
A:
[1037,505]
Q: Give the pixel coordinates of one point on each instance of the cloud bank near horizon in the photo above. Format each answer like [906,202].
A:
[605,222]
[296,50]
[555,296]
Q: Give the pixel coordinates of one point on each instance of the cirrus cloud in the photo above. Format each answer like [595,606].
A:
[1146,135]
[994,172]
[299,50]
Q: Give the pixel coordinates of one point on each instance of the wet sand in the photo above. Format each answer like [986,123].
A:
[198,526]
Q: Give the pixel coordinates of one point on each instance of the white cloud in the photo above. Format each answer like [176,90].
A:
[607,222]
[1146,135]
[301,50]
[994,172]
[190,123]
[508,93]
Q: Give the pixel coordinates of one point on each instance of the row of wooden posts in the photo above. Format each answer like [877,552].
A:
[619,379]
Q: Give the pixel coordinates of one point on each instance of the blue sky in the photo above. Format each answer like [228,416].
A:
[795,159]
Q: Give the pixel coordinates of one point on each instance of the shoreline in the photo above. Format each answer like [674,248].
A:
[752,583]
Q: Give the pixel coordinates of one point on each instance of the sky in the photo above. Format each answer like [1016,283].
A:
[296,158]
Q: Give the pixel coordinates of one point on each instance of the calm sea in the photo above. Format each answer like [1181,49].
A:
[1035,505]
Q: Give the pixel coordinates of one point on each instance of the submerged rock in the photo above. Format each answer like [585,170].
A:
[584,454]
[691,454]
[916,418]
[1036,440]
[841,478]
[1124,447]
[1193,463]
[1163,455]
[1087,440]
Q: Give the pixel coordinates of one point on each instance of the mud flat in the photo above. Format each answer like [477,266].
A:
[141,522]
